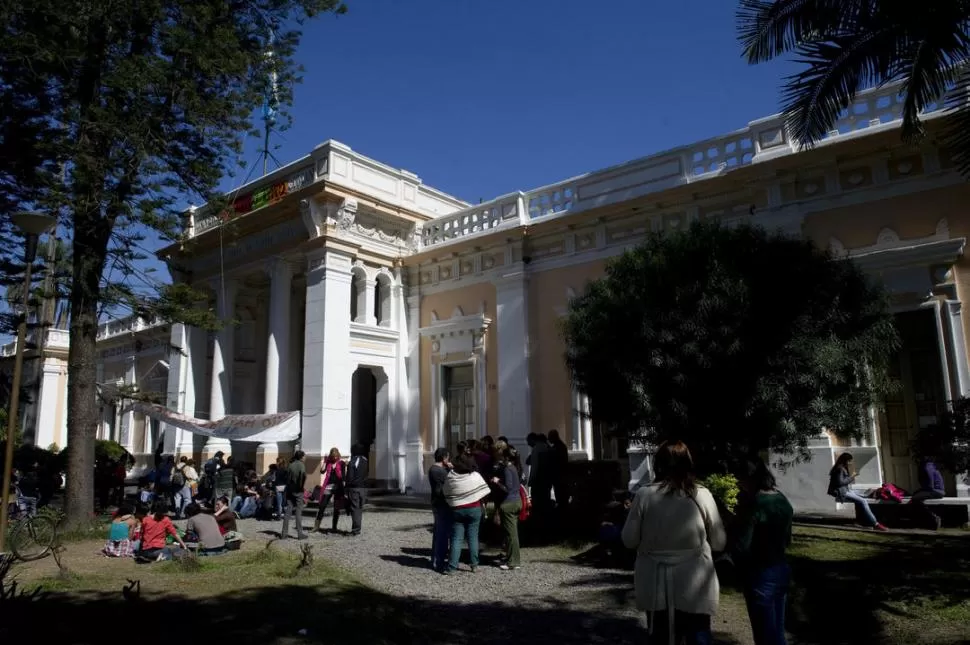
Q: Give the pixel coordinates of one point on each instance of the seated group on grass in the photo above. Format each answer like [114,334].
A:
[150,536]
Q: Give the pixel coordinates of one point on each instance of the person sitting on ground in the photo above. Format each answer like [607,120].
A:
[247,497]
[841,478]
[224,515]
[205,531]
[609,550]
[931,486]
[120,533]
[155,529]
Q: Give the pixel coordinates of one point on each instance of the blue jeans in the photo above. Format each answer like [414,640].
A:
[861,506]
[692,629]
[465,522]
[440,537]
[765,594]
[182,499]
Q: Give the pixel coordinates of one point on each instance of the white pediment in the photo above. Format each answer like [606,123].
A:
[458,334]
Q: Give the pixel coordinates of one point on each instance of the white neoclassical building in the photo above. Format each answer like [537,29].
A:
[391,314]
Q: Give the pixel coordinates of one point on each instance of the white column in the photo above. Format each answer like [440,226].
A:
[514,394]
[953,316]
[220,393]
[369,311]
[400,394]
[127,435]
[411,350]
[186,360]
[99,379]
[277,348]
[326,354]
[47,404]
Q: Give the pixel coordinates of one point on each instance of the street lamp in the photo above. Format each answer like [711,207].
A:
[32,225]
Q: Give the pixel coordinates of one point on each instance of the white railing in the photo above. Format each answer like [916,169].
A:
[126,325]
[505,210]
[763,139]
[55,339]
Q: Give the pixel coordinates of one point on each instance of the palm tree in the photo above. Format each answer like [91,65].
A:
[850,45]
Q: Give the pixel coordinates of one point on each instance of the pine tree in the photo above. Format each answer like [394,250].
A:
[113,115]
[733,340]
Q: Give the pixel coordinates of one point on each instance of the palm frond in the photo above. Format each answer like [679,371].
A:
[935,44]
[834,73]
[770,28]
[956,136]
[928,74]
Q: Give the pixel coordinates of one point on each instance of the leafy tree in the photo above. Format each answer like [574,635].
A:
[115,114]
[848,45]
[734,340]
[948,442]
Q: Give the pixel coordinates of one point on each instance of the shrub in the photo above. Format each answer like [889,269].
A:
[724,488]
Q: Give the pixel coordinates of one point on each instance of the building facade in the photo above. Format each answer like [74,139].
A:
[391,314]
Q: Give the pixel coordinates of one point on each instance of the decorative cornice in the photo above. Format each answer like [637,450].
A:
[925,254]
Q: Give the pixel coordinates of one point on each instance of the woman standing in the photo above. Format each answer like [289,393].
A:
[509,507]
[674,526]
[764,520]
[331,488]
[841,478]
[464,490]
[279,484]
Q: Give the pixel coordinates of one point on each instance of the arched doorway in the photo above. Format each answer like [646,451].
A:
[369,420]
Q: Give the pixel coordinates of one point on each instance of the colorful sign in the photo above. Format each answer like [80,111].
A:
[258,198]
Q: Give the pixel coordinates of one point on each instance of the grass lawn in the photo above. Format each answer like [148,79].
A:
[850,587]
[863,587]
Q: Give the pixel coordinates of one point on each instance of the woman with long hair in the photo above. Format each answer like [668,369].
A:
[331,488]
[841,478]
[155,529]
[763,534]
[674,526]
[464,489]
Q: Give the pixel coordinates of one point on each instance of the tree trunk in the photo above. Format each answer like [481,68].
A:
[90,250]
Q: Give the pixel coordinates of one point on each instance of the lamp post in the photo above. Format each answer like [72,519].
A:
[32,225]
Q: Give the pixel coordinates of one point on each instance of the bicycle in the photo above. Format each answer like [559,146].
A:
[32,536]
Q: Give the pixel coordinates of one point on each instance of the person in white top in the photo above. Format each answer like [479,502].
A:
[674,526]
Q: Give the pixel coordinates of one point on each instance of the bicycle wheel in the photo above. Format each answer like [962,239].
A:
[33,538]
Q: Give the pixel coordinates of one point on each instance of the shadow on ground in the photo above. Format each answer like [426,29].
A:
[296,613]
[910,589]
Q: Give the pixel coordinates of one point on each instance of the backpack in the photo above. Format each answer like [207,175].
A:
[178,478]
[210,467]
[889,493]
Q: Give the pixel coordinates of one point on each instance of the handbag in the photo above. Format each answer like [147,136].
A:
[724,567]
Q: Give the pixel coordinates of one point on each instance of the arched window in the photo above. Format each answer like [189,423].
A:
[382,300]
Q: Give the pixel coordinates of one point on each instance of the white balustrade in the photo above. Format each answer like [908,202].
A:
[765,138]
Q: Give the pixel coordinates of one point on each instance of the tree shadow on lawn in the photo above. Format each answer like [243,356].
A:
[842,596]
[337,614]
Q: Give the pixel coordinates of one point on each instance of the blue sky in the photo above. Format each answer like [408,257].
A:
[482,98]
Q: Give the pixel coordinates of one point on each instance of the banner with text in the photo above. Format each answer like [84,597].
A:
[260,428]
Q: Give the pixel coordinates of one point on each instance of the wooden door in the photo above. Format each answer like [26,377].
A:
[918,399]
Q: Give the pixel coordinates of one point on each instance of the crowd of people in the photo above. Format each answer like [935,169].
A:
[671,530]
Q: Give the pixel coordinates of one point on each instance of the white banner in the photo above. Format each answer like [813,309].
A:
[260,428]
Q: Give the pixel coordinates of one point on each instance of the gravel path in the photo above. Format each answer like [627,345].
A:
[551,597]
